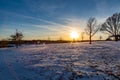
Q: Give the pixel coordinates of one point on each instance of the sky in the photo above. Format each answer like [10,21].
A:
[40,19]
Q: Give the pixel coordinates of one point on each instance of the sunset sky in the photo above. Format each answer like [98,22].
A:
[40,19]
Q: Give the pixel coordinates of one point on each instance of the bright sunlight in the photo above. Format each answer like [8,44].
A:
[74,35]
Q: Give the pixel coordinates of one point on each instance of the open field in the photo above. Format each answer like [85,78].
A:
[66,61]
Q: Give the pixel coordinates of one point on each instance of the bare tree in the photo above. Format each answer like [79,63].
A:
[112,26]
[91,28]
[100,37]
[17,37]
[82,36]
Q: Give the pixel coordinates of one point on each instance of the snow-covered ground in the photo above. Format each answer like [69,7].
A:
[68,61]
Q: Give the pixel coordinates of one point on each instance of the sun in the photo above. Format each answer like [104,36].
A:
[74,35]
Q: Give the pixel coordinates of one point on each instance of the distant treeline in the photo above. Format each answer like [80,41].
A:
[7,43]
[44,41]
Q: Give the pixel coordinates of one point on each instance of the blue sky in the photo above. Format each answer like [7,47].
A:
[39,19]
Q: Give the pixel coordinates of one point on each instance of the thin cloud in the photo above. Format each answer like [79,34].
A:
[105,8]
[34,18]
[48,7]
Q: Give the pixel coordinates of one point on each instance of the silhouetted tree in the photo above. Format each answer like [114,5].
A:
[100,37]
[17,37]
[60,39]
[48,38]
[91,28]
[82,36]
[112,25]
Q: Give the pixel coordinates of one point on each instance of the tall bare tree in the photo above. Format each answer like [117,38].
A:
[17,37]
[112,26]
[91,28]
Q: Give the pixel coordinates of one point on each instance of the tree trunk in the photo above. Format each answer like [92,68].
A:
[19,42]
[16,44]
[116,38]
[90,42]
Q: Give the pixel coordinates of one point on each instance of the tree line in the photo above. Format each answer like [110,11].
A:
[111,26]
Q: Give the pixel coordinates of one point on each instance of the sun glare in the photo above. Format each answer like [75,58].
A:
[74,35]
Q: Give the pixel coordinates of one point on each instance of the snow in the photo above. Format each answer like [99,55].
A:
[67,61]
